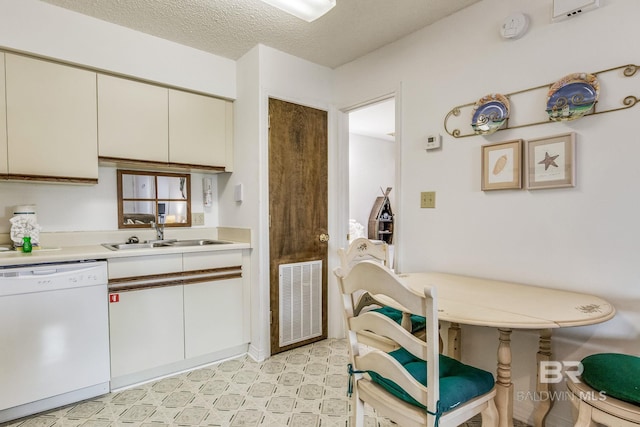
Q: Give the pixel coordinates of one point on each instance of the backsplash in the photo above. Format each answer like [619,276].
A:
[65,207]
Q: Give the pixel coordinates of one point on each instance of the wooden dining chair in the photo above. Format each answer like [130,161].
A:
[395,382]
[608,391]
[362,249]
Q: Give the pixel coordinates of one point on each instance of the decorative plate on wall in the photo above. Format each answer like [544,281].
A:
[489,114]
[572,97]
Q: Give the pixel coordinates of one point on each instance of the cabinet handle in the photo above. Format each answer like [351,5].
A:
[324,238]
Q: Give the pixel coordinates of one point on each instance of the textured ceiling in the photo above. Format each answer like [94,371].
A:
[230,28]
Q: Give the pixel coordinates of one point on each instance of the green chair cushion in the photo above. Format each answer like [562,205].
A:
[618,375]
[459,383]
[417,322]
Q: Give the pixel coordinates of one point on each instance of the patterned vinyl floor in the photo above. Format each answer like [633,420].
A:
[305,387]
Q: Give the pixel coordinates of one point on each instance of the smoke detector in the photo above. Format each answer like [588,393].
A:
[565,9]
[514,26]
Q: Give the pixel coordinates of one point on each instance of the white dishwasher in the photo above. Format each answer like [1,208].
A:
[54,336]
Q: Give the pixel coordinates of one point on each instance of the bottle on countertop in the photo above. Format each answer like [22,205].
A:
[26,244]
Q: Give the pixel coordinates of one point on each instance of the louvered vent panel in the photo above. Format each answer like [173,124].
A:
[300,301]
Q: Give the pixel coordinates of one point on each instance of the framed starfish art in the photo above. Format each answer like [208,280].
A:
[551,162]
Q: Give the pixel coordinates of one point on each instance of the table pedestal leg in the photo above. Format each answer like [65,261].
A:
[454,341]
[543,388]
[504,387]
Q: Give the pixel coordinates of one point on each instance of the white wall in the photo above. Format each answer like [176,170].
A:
[371,167]
[583,238]
[44,30]
[62,207]
[40,28]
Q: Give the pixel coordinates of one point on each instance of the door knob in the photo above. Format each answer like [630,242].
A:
[324,238]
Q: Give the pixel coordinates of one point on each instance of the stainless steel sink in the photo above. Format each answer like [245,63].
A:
[145,245]
[162,243]
[197,242]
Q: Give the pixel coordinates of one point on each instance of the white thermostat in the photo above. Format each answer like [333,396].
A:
[514,26]
[433,141]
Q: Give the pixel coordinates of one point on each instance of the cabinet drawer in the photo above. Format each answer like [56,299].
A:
[144,265]
[206,260]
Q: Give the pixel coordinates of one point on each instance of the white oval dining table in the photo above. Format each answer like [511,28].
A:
[508,306]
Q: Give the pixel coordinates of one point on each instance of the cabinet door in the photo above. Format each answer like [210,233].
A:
[146,329]
[213,316]
[199,129]
[133,120]
[51,119]
[3,120]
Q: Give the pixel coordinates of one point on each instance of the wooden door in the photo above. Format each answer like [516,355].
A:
[297,201]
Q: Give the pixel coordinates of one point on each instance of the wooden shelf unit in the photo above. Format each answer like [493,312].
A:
[381,219]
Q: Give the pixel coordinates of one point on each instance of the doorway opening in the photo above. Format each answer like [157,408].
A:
[372,167]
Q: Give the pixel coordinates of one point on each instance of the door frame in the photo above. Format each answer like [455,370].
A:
[315,142]
[343,203]
[338,201]
[341,181]
[262,350]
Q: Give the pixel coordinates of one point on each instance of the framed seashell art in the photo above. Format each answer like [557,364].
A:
[502,165]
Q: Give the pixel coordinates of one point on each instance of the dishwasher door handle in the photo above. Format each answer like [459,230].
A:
[43,272]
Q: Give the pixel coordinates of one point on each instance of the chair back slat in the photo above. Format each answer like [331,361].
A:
[362,249]
[370,279]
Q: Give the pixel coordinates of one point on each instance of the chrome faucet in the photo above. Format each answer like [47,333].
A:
[159,230]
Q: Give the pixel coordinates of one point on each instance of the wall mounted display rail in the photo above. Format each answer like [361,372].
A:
[628,101]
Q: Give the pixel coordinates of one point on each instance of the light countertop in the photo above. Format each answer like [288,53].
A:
[95,252]
[64,247]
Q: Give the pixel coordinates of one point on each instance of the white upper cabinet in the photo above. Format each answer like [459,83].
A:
[200,130]
[3,120]
[51,119]
[133,118]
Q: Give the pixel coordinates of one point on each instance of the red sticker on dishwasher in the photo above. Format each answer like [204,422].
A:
[114,297]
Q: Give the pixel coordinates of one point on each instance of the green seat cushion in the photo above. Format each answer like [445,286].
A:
[459,383]
[618,375]
[417,322]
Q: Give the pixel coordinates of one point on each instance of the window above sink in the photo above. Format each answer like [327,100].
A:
[145,198]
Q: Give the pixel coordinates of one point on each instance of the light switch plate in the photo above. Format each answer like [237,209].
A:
[428,199]
[197,218]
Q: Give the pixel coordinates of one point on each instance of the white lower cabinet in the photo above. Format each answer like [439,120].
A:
[213,316]
[173,312]
[146,329]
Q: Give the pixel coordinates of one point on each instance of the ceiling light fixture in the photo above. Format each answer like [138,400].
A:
[308,10]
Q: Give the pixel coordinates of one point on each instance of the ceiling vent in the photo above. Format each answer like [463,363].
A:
[565,9]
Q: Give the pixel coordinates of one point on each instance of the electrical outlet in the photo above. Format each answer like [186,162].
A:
[197,218]
[428,199]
